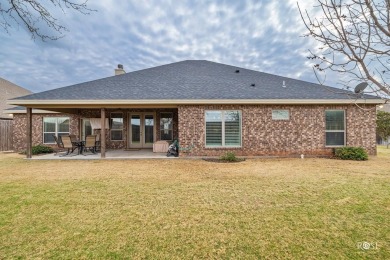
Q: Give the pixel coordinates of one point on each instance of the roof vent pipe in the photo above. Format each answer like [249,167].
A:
[284,84]
[119,70]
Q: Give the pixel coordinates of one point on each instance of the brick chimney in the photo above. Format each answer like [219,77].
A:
[119,70]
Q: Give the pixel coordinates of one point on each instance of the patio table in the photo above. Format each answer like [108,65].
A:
[80,146]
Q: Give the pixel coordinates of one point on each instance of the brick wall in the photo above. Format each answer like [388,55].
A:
[303,133]
[20,129]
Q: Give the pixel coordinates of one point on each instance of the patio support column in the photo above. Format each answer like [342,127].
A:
[103,133]
[29,132]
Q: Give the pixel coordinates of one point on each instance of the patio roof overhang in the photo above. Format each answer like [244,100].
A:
[23,111]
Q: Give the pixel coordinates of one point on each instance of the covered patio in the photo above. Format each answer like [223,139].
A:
[123,131]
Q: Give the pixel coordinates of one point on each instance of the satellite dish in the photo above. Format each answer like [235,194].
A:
[360,87]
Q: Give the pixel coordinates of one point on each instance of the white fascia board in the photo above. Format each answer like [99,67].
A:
[192,101]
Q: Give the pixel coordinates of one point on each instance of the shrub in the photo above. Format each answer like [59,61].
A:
[351,153]
[230,157]
[38,149]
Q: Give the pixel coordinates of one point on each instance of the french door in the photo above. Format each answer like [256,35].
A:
[141,130]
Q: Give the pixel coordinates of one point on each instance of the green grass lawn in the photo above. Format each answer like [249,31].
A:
[179,209]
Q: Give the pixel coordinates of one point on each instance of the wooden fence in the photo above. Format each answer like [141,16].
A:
[6,135]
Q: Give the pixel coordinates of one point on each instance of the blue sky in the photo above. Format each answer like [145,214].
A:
[260,35]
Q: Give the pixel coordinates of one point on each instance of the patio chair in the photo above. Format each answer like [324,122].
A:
[97,143]
[90,143]
[60,145]
[68,144]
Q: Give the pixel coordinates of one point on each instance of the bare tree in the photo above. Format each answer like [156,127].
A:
[354,37]
[36,17]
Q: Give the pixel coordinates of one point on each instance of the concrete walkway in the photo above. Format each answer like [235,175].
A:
[110,154]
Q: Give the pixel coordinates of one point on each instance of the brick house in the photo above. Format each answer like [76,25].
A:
[211,108]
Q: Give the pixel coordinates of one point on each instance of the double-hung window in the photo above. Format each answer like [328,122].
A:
[335,127]
[223,128]
[57,126]
[116,126]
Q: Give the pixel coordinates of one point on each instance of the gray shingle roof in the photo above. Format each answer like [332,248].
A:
[193,79]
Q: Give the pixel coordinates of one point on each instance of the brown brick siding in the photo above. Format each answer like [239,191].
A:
[20,128]
[303,133]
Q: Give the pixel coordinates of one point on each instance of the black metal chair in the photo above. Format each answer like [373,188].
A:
[97,143]
[60,145]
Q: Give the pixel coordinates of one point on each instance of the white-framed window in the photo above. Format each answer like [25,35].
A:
[166,126]
[223,128]
[116,126]
[334,127]
[280,114]
[57,126]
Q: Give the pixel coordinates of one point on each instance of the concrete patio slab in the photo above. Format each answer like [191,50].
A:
[110,154]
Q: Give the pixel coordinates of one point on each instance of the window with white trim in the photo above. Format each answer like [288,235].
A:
[335,127]
[116,126]
[57,126]
[223,128]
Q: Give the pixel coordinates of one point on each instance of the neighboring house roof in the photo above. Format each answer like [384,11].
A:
[9,90]
[194,81]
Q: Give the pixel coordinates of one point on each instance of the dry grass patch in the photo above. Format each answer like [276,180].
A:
[175,209]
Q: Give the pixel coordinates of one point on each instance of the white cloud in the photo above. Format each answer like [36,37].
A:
[260,35]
